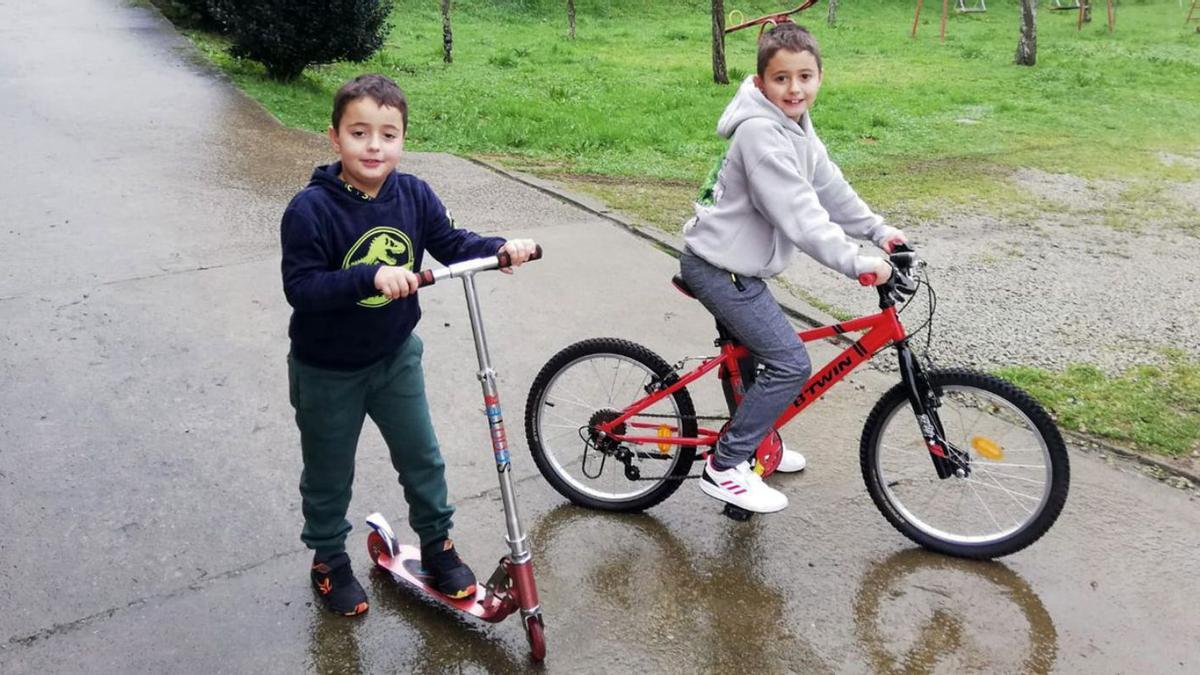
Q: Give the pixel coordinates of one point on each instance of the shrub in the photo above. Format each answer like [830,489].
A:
[287,36]
[188,13]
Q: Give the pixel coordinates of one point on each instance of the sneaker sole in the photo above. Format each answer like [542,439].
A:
[720,495]
[780,469]
[465,593]
[361,608]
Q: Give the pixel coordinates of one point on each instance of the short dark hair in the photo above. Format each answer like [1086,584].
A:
[381,89]
[789,36]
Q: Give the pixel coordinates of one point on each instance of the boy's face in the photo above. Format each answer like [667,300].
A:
[369,140]
[791,81]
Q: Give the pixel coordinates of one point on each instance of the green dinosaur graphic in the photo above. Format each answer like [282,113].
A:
[382,250]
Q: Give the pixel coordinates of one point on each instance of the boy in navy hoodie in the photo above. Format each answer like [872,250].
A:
[352,242]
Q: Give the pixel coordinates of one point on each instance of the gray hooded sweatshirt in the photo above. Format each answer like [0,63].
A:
[778,191]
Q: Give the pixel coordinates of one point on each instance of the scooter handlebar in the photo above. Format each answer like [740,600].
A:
[499,261]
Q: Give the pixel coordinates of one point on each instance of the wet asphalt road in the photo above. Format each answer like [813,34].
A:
[148,462]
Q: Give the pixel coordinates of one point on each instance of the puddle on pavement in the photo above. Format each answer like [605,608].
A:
[922,612]
[649,599]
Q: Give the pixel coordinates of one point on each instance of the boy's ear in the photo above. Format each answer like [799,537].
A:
[333,138]
[758,83]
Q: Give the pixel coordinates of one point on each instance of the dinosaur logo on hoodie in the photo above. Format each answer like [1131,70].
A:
[380,246]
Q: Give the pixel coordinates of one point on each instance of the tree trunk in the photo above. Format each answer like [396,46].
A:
[447,36]
[571,19]
[1027,45]
[720,76]
[831,18]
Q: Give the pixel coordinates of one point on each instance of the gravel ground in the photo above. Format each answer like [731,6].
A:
[1057,289]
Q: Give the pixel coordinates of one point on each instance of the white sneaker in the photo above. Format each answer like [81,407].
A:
[741,487]
[790,461]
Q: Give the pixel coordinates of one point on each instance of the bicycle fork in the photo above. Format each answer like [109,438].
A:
[947,460]
[515,571]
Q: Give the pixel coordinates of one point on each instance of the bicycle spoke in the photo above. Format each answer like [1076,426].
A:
[561,397]
[984,504]
[980,483]
[1014,499]
[1008,476]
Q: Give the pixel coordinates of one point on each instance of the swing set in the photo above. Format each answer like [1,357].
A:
[962,8]
[1085,11]
[767,20]
[1084,7]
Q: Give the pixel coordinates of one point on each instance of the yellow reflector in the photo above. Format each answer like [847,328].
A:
[988,448]
[664,431]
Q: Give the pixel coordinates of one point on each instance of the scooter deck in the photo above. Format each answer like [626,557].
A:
[406,568]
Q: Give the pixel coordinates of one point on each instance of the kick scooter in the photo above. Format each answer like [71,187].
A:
[511,586]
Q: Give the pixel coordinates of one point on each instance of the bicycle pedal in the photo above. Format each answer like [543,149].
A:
[737,513]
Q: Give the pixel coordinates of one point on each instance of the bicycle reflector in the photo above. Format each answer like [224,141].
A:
[664,431]
[988,448]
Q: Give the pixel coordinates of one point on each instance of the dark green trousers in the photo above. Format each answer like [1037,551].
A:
[331,406]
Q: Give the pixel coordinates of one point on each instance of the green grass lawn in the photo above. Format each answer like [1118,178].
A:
[1147,407]
[914,123]
[627,111]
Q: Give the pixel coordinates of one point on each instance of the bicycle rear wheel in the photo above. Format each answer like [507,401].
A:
[1010,470]
[591,382]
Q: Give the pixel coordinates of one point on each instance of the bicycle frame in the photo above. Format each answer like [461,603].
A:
[881,330]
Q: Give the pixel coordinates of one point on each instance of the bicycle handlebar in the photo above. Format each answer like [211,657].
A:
[499,261]
[903,258]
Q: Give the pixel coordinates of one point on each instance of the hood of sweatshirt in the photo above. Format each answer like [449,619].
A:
[749,103]
[777,193]
[326,178]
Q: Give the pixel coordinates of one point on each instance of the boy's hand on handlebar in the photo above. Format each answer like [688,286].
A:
[899,237]
[882,272]
[395,282]
[519,251]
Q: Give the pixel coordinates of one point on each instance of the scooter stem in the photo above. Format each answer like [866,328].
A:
[487,377]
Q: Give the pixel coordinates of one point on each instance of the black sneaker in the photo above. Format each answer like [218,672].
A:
[335,584]
[448,573]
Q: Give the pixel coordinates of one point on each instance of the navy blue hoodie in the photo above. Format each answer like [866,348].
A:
[334,240]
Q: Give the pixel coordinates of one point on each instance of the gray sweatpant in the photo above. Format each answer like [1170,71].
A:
[757,321]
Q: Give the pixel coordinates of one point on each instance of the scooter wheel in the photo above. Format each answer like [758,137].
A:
[537,638]
[375,546]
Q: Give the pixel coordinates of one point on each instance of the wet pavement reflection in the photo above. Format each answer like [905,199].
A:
[637,578]
[920,612]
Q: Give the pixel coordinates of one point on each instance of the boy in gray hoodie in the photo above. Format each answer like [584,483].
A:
[776,192]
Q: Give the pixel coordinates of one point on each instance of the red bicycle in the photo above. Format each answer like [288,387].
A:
[959,461]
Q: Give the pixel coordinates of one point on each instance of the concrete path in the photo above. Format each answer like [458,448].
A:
[148,462]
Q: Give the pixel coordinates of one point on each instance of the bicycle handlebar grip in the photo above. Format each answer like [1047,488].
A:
[867,278]
[425,278]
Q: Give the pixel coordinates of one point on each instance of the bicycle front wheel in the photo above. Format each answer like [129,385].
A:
[1009,472]
[592,382]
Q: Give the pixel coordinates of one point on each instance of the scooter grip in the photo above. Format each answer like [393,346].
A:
[425,278]
[506,261]
[867,278]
